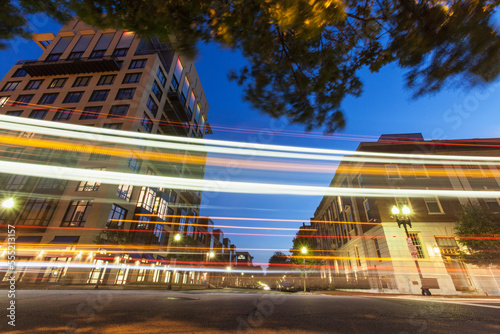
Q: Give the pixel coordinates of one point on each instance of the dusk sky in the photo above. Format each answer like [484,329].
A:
[384,107]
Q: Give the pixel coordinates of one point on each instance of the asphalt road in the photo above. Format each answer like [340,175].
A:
[115,311]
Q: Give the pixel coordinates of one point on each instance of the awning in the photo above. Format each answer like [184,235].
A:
[29,239]
[65,240]
[149,256]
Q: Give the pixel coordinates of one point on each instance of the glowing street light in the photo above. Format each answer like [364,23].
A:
[304,251]
[8,203]
[177,237]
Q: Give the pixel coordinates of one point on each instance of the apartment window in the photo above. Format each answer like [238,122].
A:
[38,114]
[37,212]
[90,185]
[15,182]
[81,82]
[53,57]
[58,83]
[19,73]
[116,216]
[22,100]
[116,126]
[146,123]
[125,94]
[48,98]
[99,95]
[143,223]
[131,78]
[157,91]
[4,100]
[75,55]
[147,199]
[77,213]
[118,111]
[152,106]
[124,191]
[185,89]
[33,85]
[420,172]
[392,171]
[90,112]
[366,205]
[10,86]
[377,248]
[51,184]
[134,163]
[106,80]
[356,254]
[137,63]
[177,74]
[73,97]
[192,99]
[415,238]
[120,52]
[97,54]
[161,77]
[433,205]
[14,113]
[63,115]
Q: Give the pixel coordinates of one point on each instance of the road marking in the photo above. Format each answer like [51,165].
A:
[454,302]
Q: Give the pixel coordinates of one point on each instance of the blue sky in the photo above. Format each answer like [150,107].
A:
[385,106]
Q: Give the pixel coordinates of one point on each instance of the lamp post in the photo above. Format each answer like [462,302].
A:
[177,238]
[304,251]
[210,255]
[405,220]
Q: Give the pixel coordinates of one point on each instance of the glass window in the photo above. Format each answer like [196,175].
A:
[22,100]
[118,111]
[131,78]
[97,54]
[120,52]
[157,91]
[77,213]
[48,98]
[81,82]
[15,182]
[116,126]
[116,216]
[63,114]
[368,212]
[137,63]
[177,74]
[90,185]
[125,94]
[392,171]
[147,199]
[146,123]
[185,89]
[415,238]
[134,163]
[433,205]
[152,106]
[53,57]
[51,184]
[4,100]
[19,73]
[10,86]
[377,248]
[38,114]
[37,212]
[192,99]
[99,95]
[124,191]
[161,77]
[14,113]
[106,80]
[73,97]
[75,55]
[58,83]
[90,112]
[33,84]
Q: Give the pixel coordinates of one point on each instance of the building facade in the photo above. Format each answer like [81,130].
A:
[365,249]
[109,79]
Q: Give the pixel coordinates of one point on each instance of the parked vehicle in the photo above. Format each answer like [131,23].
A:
[287,287]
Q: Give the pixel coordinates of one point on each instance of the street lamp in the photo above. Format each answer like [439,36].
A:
[8,203]
[177,237]
[406,221]
[304,251]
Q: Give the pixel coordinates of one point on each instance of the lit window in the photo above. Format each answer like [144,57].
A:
[124,191]
[77,213]
[58,83]
[90,185]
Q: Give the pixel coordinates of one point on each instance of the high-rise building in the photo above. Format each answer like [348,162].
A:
[359,238]
[109,79]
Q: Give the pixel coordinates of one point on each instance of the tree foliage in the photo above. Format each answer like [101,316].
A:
[112,237]
[304,55]
[477,228]
[300,241]
[279,261]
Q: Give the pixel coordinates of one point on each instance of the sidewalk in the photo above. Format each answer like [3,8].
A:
[378,294]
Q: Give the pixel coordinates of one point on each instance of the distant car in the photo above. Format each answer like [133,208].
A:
[287,287]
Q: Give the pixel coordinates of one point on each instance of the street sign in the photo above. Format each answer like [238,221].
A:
[409,241]
[413,249]
[414,256]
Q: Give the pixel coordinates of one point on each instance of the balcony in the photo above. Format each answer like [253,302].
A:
[173,128]
[70,66]
[175,110]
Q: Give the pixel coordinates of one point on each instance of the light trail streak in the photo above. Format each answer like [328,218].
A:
[222,147]
[117,178]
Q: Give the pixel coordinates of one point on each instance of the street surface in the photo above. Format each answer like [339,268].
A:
[244,311]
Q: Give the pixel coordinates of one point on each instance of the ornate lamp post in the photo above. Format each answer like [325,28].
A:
[405,220]
[304,251]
